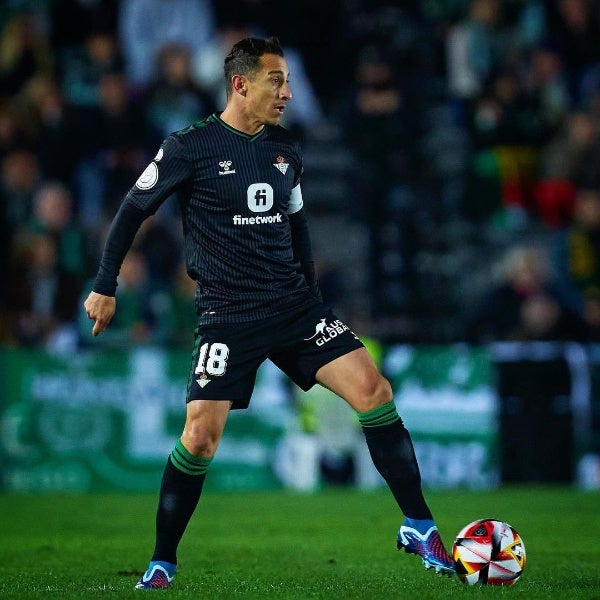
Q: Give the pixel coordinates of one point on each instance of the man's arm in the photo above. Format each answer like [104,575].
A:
[100,305]
[169,169]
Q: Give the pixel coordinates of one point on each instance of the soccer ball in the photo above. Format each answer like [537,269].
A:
[488,552]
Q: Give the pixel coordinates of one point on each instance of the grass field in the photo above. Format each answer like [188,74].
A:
[334,544]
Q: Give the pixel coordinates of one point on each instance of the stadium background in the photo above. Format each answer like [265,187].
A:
[448,145]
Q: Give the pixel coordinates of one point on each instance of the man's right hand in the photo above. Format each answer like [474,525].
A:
[100,309]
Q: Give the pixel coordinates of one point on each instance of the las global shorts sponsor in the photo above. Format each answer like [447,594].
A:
[325,332]
[258,220]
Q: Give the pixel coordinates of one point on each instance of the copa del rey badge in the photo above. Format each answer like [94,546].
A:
[281,164]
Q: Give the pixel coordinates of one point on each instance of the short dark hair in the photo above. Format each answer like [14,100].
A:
[244,57]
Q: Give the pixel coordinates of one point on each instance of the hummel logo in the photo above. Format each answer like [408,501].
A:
[226,166]
[281,165]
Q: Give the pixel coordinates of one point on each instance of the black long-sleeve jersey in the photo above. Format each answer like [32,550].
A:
[237,194]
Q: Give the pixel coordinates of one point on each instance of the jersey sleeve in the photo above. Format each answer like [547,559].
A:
[169,169]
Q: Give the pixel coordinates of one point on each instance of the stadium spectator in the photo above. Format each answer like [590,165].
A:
[473,49]
[25,51]
[567,162]
[173,97]
[146,26]
[53,215]
[574,27]
[12,133]
[72,22]
[43,298]
[52,128]
[115,149]
[82,67]
[525,303]
[379,127]
[571,153]
[546,84]
[576,258]
[20,175]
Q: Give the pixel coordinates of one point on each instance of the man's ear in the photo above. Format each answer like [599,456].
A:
[239,84]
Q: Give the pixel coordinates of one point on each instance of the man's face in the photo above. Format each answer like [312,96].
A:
[269,90]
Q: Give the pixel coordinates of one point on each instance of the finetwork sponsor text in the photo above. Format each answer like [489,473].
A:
[239,220]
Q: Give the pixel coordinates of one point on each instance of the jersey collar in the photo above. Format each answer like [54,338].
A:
[246,136]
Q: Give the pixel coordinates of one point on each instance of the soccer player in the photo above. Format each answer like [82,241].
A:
[237,177]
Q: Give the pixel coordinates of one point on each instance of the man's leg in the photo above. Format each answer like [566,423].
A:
[182,482]
[355,378]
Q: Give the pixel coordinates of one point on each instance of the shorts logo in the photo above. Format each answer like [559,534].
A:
[319,329]
[203,380]
[325,332]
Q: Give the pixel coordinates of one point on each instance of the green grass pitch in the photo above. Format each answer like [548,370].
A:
[338,543]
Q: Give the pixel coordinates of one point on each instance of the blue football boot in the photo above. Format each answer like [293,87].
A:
[158,576]
[428,546]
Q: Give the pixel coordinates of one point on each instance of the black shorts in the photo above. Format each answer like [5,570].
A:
[226,358]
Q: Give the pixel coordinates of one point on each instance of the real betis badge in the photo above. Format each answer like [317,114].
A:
[281,164]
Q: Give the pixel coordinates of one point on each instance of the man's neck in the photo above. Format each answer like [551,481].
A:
[238,120]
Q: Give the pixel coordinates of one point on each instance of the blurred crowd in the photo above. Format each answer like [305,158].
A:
[485,112]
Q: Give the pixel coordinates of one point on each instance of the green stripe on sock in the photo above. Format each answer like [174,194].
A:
[188,463]
[382,415]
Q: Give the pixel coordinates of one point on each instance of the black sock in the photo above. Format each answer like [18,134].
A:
[179,495]
[394,457]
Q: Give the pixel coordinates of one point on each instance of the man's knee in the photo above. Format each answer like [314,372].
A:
[204,424]
[373,391]
[200,440]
